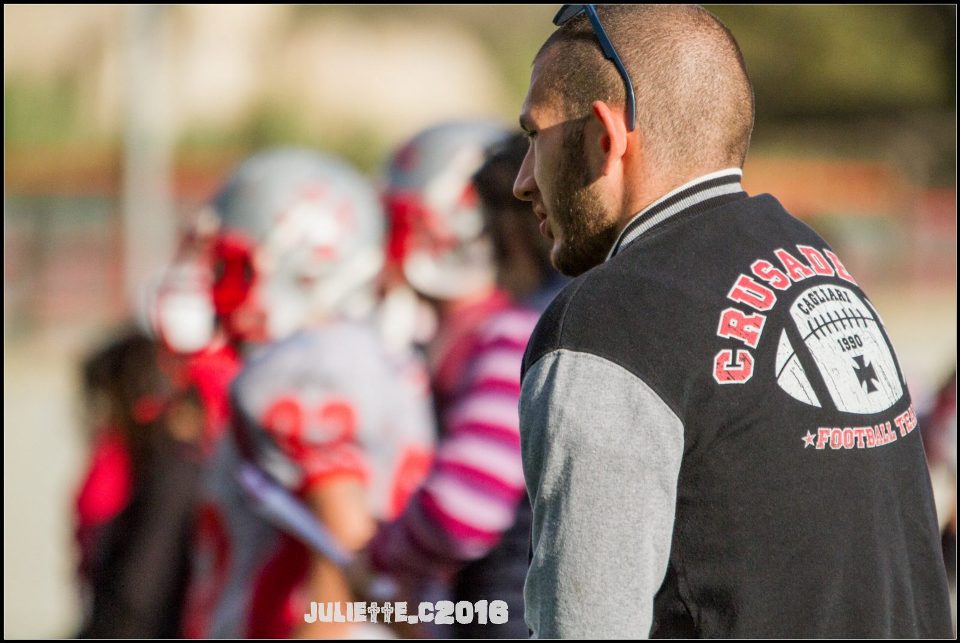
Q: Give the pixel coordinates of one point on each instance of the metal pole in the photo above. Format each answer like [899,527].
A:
[147,206]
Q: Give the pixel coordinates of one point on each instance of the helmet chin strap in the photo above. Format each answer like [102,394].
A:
[348,292]
[450,279]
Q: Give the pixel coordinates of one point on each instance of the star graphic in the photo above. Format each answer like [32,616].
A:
[808,440]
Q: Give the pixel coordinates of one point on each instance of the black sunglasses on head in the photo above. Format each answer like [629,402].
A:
[570,11]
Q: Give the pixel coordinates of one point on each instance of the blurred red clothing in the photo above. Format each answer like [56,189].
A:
[211,373]
[104,492]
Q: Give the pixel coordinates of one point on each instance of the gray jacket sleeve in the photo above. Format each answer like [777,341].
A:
[601,456]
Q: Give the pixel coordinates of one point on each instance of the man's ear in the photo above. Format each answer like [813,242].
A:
[611,130]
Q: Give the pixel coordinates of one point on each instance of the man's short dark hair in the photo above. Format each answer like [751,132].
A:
[694,98]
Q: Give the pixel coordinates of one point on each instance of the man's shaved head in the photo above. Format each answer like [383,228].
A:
[694,99]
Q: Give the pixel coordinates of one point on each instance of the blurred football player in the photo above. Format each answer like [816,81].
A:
[321,411]
[437,252]
[469,523]
[190,308]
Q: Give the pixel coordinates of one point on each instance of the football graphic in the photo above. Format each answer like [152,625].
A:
[790,374]
[844,339]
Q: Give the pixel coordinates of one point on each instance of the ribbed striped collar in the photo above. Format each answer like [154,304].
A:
[702,193]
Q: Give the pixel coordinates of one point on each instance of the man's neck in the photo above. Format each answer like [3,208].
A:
[707,188]
[650,188]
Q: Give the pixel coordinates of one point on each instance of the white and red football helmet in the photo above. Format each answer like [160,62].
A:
[293,237]
[436,227]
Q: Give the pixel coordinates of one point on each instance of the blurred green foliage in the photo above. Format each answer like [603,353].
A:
[41,113]
[276,124]
[846,59]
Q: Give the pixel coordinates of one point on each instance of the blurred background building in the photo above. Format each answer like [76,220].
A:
[119,121]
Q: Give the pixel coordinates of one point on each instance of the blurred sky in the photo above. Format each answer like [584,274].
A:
[120,120]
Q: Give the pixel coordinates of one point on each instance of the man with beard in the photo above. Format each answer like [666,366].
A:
[706,455]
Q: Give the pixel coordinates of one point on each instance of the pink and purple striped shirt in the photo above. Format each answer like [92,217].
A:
[470,497]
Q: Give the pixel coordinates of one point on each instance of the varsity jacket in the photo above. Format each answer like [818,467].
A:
[718,441]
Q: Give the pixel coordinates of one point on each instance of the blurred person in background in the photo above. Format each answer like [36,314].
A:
[322,415]
[136,503]
[191,309]
[470,521]
[939,430]
[134,506]
[440,281]
[139,492]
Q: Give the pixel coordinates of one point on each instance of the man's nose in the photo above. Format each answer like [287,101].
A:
[524,185]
